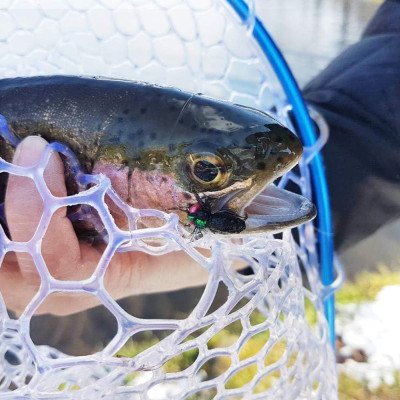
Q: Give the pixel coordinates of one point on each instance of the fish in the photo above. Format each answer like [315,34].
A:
[163,148]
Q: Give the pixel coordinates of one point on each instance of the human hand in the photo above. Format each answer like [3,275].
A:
[67,258]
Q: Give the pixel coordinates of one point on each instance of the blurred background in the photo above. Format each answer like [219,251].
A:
[311,33]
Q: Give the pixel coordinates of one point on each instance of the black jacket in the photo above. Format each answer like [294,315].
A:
[359,95]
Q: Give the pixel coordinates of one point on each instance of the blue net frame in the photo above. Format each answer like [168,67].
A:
[309,138]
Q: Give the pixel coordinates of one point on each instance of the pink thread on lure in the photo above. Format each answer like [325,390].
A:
[194,208]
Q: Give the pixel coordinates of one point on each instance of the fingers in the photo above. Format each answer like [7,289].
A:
[68,259]
[24,208]
[136,273]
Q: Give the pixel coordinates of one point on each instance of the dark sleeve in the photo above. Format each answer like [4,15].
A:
[359,95]
[386,20]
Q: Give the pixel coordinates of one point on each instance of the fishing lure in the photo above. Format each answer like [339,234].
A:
[223,221]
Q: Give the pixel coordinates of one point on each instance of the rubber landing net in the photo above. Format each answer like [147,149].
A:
[275,350]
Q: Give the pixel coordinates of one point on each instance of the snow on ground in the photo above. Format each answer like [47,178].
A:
[374,329]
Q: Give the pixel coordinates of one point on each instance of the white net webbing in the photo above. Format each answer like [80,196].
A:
[274,348]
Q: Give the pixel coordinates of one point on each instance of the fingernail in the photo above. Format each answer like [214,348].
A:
[29,151]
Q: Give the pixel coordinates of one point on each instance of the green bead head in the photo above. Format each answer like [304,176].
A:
[200,223]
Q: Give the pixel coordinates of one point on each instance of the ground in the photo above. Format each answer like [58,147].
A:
[369,326]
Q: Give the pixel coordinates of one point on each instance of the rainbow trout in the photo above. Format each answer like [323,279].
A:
[165,148]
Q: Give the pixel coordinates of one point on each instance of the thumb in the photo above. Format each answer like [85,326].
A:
[24,208]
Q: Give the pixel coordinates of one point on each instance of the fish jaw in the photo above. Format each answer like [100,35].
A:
[271,210]
[276,209]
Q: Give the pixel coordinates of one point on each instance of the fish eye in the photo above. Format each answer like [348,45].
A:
[207,169]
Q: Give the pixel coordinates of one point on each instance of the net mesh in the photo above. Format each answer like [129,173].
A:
[278,343]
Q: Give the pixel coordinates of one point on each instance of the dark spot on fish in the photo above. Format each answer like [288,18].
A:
[172,107]
[261,165]
[120,132]
[143,110]
[257,138]
[126,111]
[98,127]
[163,179]
[171,147]
[292,138]
[153,135]
[279,139]
[279,159]
[120,120]
[139,131]
[187,195]
[180,120]
[203,130]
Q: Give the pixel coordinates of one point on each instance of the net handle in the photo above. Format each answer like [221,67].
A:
[309,138]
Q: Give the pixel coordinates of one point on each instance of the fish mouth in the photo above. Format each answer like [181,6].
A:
[275,209]
[271,210]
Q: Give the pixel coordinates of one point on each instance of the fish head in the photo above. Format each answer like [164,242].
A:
[226,153]
[234,158]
